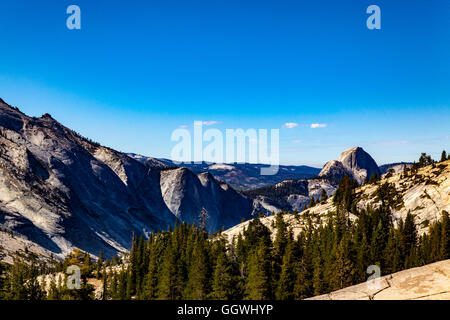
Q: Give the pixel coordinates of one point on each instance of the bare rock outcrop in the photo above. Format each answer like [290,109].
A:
[354,162]
[430,282]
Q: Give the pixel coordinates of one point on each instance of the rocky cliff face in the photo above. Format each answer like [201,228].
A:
[186,194]
[354,162]
[62,191]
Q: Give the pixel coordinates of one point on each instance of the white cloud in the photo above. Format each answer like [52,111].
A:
[183,126]
[290,125]
[318,125]
[210,123]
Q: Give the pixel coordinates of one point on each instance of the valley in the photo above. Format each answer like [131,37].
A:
[126,221]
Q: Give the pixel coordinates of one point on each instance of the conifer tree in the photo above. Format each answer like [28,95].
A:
[312,203]
[279,246]
[445,235]
[343,196]
[100,262]
[378,244]
[362,258]
[53,292]
[105,292]
[435,240]
[123,277]
[318,277]
[258,284]
[392,253]
[224,279]
[114,291]
[151,279]
[373,178]
[15,281]
[133,273]
[197,287]
[343,266]
[405,171]
[323,196]
[170,282]
[408,236]
[286,283]
[302,282]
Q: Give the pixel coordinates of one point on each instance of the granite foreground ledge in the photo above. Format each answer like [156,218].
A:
[430,282]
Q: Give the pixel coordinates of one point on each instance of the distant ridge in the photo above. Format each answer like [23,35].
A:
[240,176]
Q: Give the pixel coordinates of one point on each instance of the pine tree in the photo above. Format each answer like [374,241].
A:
[378,244]
[224,280]
[445,236]
[373,178]
[282,236]
[286,283]
[408,237]
[133,272]
[302,288]
[303,267]
[15,281]
[258,284]
[362,258]
[443,156]
[197,287]
[392,253]
[151,279]
[435,240]
[343,266]
[114,288]
[405,171]
[170,284]
[424,160]
[343,196]
[53,292]
[87,264]
[100,262]
[312,203]
[123,277]
[323,196]
[318,277]
[105,293]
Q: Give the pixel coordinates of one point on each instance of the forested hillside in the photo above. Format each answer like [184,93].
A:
[185,263]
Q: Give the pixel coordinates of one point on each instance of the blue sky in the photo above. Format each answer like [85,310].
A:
[137,70]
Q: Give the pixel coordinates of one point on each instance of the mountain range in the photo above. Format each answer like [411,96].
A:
[60,191]
[242,176]
[425,194]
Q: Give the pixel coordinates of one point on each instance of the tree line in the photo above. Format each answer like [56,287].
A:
[187,263]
